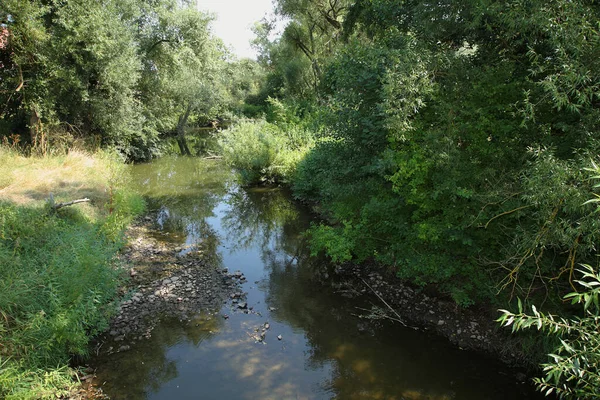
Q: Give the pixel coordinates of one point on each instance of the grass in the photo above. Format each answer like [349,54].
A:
[57,267]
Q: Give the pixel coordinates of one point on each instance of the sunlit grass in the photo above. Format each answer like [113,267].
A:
[27,180]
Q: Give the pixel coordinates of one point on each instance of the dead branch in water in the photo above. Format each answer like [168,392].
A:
[385,302]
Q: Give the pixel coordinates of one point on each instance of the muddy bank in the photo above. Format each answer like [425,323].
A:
[469,329]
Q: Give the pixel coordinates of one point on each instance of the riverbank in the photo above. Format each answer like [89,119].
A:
[61,224]
[275,329]
[471,329]
[170,281]
[166,281]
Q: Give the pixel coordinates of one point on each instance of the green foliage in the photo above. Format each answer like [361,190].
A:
[452,137]
[18,383]
[117,74]
[263,152]
[57,282]
[336,245]
[573,370]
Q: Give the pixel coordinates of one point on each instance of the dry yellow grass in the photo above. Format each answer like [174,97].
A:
[27,180]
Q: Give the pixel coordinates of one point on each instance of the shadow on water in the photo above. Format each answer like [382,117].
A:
[326,350]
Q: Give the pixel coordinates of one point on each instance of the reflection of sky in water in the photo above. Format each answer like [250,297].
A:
[326,350]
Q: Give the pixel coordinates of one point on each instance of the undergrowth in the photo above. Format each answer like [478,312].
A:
[57,267]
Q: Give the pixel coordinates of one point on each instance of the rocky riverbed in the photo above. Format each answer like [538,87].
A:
[166,281]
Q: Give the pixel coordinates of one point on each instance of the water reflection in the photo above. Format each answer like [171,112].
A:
[148,366]
[262,217]
[326,350]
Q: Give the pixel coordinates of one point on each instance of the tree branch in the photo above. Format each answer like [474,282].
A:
[66,204]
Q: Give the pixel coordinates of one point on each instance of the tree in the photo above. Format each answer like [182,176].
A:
[117,73]
[183,75]
[76,67]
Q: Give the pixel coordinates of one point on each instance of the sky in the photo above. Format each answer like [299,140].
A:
[234,21]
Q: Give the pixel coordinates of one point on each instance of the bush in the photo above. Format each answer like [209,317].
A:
[263,152]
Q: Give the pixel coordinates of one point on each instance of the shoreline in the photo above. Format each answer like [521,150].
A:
[170,280]
[468,329]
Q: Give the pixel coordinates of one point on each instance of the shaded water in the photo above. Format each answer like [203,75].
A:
[326,351]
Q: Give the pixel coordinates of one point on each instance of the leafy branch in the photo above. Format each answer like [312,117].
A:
[574,371]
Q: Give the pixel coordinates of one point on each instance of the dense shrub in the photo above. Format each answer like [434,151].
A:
[263,152]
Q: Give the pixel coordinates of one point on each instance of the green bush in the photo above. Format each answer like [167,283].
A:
[263,152]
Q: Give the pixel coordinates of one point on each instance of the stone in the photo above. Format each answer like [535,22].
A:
[279,337]
[441,322]
[242,305]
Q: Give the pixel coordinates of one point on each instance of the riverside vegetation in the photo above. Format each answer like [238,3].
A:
[58,272]
[448,142]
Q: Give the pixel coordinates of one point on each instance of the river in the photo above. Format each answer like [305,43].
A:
[316,345]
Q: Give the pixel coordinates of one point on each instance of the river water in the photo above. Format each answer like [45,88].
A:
[326,350]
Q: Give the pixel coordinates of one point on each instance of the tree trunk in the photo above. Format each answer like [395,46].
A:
[181,124]
[36,132]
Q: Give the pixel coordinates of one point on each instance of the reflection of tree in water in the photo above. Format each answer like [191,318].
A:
[263,217]
[146,368]
[361,368]
[180,176]
[372,359]
[184,192]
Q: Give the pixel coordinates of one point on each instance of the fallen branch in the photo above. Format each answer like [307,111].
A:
[384,302]
[68,203]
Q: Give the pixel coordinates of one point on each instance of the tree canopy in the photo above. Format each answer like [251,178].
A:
[119,73]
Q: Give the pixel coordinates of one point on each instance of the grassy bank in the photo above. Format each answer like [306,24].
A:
[57,266]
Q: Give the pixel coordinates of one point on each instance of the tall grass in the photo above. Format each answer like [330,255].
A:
[57,267]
